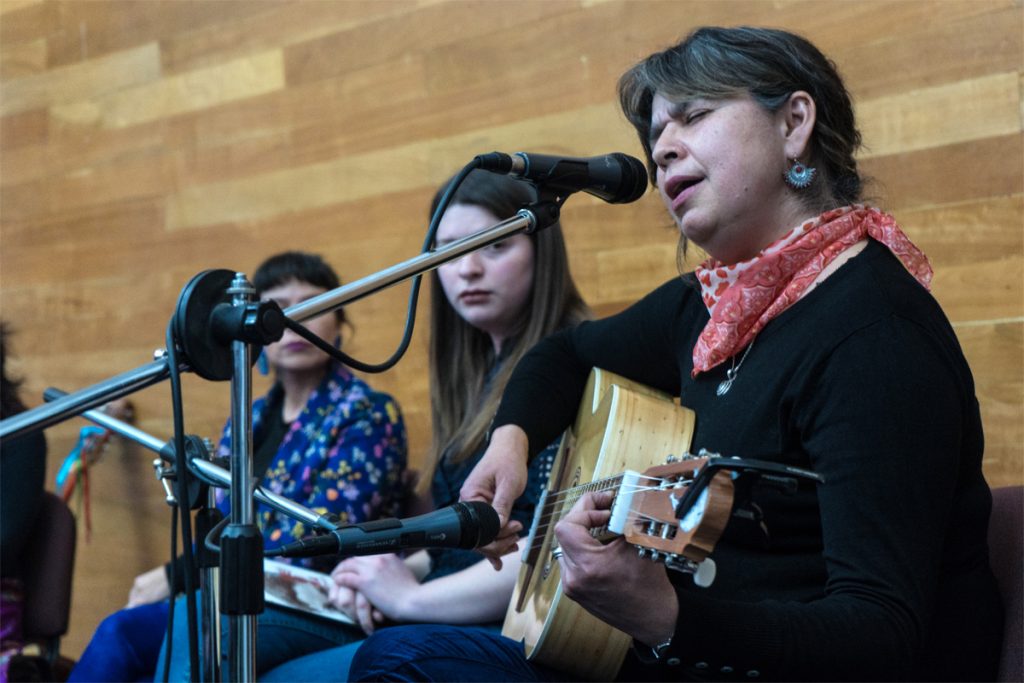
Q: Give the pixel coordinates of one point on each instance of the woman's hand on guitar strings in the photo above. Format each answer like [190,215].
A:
[498,479]
[610,580]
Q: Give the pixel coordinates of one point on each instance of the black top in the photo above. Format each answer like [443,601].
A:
[447,482]
[23,468]
[881,572]
[267,439]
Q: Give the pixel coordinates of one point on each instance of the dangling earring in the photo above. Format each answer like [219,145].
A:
[799,176]
[337,342]
[262,364]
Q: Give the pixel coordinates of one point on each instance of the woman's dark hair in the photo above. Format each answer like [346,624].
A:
[462,400]
[10,403]
[769,65]
[282,268]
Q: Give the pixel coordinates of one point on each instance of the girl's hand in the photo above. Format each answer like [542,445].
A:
[383,588]
[356,606]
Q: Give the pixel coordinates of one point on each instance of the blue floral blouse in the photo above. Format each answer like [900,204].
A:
[344,454]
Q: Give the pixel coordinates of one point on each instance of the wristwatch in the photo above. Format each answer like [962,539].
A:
[656,654]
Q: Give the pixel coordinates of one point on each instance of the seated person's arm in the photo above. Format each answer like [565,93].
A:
[150,586]
[418,563]
[477,594]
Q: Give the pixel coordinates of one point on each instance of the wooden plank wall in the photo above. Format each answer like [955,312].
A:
[143,142]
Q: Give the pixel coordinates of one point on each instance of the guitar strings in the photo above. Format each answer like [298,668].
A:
[611,483]
[564,499]
[542,528]
[541,532]
[597,485]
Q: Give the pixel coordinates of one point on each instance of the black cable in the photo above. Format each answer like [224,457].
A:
[170,598]
[211,538]
[414,293]
[181,479]
[179,445]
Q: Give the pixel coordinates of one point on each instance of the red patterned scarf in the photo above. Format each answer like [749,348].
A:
[742,298]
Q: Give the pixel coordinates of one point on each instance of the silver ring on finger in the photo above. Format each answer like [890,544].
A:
[557,553]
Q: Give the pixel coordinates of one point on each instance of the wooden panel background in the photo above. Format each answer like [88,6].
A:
[143,142]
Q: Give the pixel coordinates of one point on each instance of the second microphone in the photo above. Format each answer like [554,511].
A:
[463,525]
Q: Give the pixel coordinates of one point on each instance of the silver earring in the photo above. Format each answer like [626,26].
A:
[799,176]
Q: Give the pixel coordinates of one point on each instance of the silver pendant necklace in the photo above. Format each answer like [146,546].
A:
[730,375]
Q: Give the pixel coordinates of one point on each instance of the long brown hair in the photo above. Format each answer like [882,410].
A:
[461,356]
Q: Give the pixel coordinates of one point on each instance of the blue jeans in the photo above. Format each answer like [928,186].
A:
[438,652]
[124,646]
[281,635]
[326,666]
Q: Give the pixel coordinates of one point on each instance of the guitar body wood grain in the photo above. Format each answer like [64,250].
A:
[621,426]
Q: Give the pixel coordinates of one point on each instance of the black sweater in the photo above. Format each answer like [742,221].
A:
[881,572]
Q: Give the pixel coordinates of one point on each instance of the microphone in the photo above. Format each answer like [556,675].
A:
[616,178]
[463,525]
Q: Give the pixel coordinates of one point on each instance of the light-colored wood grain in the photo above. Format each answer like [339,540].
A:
[142,142]
[198,89]
[87,30]
[354,177]
[951,174]
[27,129]
[975,109]
[94,78]
[22,59]
[994,351]
[27,20]
[620,425]
[12,5]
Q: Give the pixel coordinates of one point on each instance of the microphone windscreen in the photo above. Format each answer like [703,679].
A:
[634,179]
[480,523]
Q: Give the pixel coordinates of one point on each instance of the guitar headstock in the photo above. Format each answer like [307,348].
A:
[649,520]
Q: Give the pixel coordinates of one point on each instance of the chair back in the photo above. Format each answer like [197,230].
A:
[49,567]
[1006,552]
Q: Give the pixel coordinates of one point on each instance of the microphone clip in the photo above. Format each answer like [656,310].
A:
[543,213]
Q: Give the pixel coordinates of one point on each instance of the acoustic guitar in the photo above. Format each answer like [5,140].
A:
[634,441]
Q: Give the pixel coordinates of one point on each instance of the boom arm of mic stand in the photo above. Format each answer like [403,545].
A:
[210,618]
[524,221]
[243,646]
[243,618]
[205,470]
[214,475]
[127,383]
[69,405]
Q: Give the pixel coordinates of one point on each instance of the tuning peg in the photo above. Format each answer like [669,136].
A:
[705,574]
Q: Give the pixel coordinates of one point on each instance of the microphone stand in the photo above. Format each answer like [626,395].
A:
[527,220]
[204,323]
[242,543]
[201,465]
[200,452]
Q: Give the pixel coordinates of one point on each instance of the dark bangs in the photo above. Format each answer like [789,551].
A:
[294,265]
